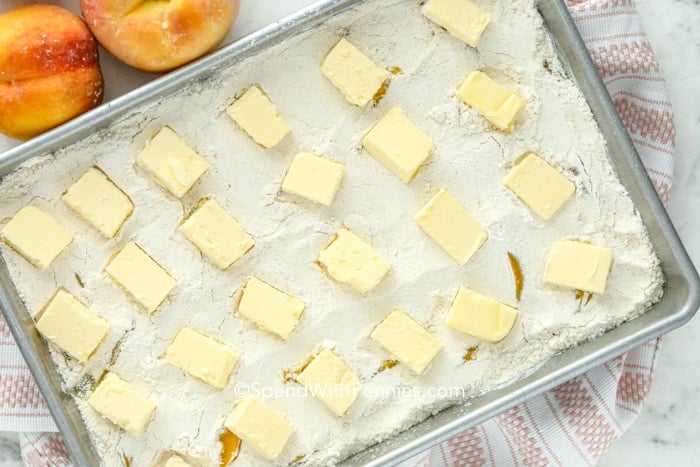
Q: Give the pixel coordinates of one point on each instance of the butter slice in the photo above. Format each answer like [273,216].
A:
[216,234]
[270,308]
[71,326]
[328,378]
[202,357]
[445,221]
[351,71]
[141,276]
[36,235]
[121,404]
[314,178]
[172,163]
[261,427]
[349,260]
[461,18]
[407,341]
[259,118]
[398,144]
[495,103]
[177,461]
[481,316]
[539,185]
[579,265]
[99,201]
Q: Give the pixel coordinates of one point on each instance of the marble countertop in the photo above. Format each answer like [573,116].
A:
[667,430]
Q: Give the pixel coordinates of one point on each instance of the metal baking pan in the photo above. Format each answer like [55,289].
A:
[678,305]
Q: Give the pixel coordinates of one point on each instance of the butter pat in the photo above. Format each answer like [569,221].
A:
[172,163]
[461,18]
[177,461]
[216,234]
[349,260]
[121,404]
[351,71]
[71,326]
[270,308]
[314,178]
[496,104]
[539,185]
[480,316]
[259,118]
[99,201]
[139,274]
[406,340]
[328,378]
[398,144]
[262,428]
[202,357]
[445,221]
[579,265]
[36,235]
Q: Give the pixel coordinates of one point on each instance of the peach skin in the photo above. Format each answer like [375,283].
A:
[157,35]
[49,69]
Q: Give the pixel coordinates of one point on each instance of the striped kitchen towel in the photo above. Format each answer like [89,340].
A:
[573,424]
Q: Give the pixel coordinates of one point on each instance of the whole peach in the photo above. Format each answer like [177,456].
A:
[159,35]
[49,69]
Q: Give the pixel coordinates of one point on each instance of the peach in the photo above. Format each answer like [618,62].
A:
[49,69]
[157,35]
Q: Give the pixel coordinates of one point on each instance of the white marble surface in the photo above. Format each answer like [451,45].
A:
[668,428]
[9,450]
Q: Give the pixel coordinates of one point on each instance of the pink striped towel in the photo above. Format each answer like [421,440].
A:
[573,424]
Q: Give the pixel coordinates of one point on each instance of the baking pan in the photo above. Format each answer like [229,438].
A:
[682,284]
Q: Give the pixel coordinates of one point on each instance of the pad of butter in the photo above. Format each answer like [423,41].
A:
[579,265]
[539,185]
[350,260]
[481,316]
[121,404]
[36,235]
[495,103]
[202,357]
[141,276]
[351,71]
[398,144]
[461,18]
[445,221]
[71,326]
[259,118]
[99,201]
[177,461]
[407,341]
[328,378]
[313,177]
[261,427]
[270,308]
[216,234]
[172,163]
